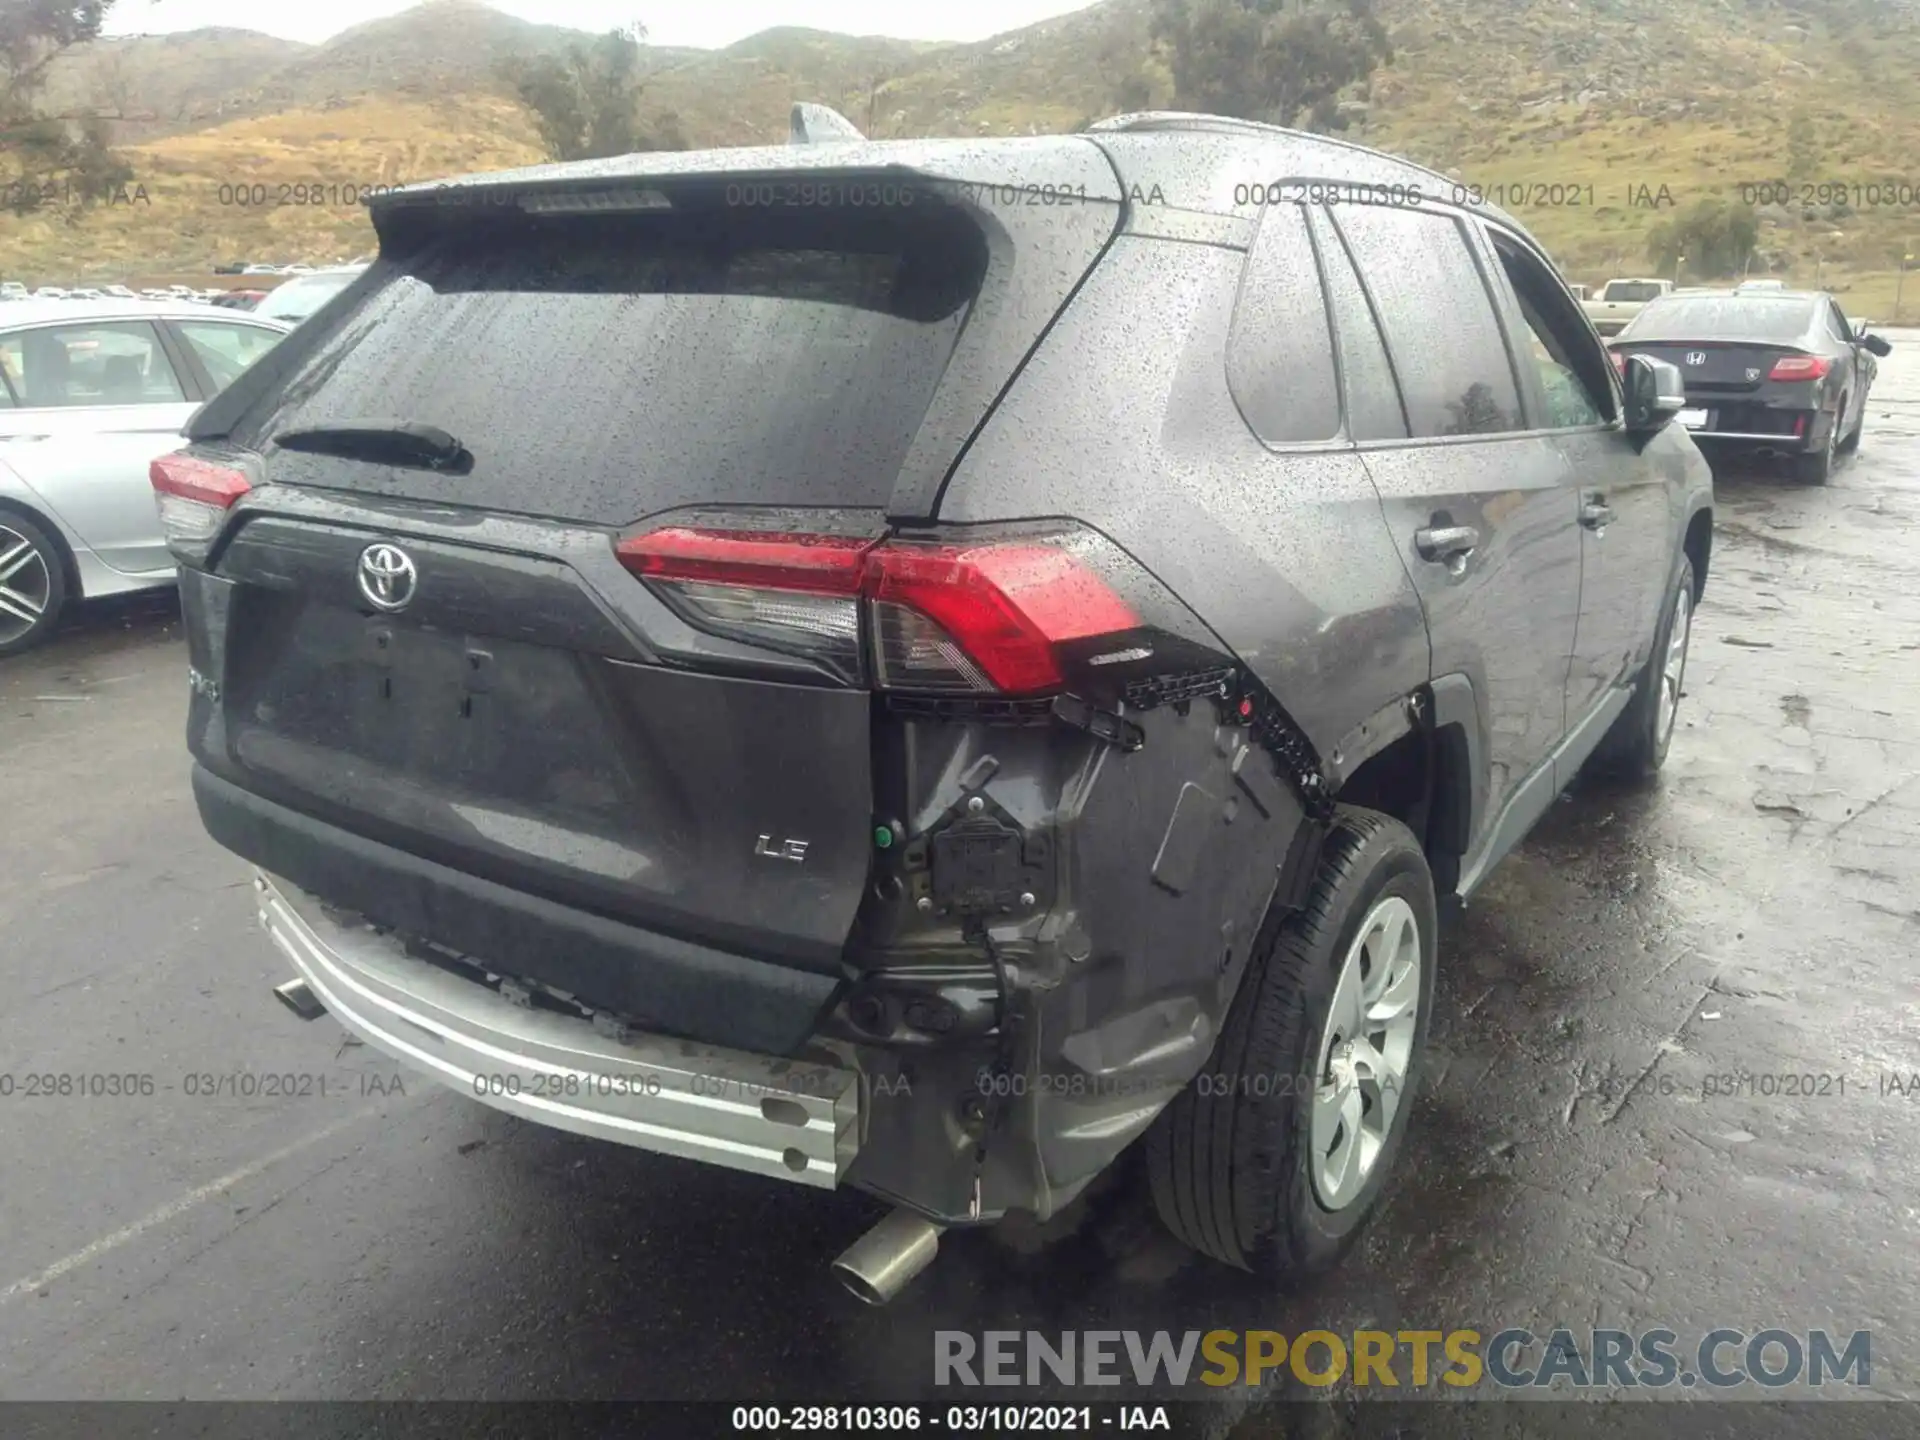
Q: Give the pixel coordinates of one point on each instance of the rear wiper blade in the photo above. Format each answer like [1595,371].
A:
[384,442]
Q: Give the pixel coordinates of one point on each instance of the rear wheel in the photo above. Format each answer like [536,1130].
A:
[1276,1155]
[1636,747]
[1816,466]
[33,583]
[1852,440]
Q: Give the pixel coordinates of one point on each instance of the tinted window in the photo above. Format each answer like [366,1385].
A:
[1723,317]
[1373,397]
[1280,359]
[600,368]
[227,350]
[1633,290]
[116,363]
[1440,327]
[1570,367]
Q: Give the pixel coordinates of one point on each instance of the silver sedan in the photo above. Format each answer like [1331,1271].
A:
[90,393]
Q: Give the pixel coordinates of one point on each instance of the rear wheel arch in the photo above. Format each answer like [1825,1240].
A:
[1429,779]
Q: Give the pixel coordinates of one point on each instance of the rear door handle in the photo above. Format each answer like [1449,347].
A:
[1596,515]
[1446,542]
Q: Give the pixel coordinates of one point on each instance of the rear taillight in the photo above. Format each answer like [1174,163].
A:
[1006,607]
[193,497]
[1799,367]
[1620,364]
[984,618]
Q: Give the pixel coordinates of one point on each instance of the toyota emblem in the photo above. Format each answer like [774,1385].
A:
[387,577]
[1696,357]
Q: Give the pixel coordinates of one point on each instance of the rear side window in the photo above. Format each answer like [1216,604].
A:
[1440,325]
[603,367]
[114,363]
[1373,396]
[1280,359]
[227,350]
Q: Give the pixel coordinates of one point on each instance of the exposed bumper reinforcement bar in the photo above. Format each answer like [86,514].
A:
[787,1119]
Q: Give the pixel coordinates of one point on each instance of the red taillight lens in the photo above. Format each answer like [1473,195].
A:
[1005,606]
[1799,367]
[193,497]
[945,618]
[1620,364]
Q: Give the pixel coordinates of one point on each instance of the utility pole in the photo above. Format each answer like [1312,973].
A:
[1900,285]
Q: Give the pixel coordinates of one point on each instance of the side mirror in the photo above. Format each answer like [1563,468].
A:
[1876,345]
[1655,393]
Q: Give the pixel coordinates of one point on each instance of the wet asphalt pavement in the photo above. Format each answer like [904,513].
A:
[1758,913]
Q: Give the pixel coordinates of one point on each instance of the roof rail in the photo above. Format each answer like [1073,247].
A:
[812,124]
[1150,120]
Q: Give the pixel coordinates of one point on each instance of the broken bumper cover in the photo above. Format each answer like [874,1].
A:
[786,1119]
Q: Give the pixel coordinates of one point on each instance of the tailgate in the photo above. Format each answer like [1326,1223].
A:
[449,657]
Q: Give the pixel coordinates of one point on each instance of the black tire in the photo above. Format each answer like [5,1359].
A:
[1816,466]
[36,578]
[1636,746]
[1230,1160]
[1851,441]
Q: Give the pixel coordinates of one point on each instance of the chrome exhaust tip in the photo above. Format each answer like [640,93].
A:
[298,997]
[882,1262]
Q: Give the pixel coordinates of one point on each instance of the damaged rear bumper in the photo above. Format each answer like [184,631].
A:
[786,1119]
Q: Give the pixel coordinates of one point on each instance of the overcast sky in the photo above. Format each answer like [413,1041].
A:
[669,22]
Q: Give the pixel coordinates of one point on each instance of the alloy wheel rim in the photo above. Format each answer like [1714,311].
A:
[1366,1052]
[26,585]
[1673,666]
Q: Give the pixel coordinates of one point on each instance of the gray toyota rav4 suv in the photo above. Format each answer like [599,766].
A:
[919,665]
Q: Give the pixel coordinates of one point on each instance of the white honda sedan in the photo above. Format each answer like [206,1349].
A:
[92,391]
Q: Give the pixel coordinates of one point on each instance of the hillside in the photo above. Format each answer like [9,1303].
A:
[1611,100]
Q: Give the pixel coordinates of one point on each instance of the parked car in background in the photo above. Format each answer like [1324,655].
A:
[85,293]
[13,290]
[1759,287]
[260,270]
[90,392]
[1014,649]
[50,292]
[1775,372]
[299,297]
[1620,300]
[239,299]
[1578,291]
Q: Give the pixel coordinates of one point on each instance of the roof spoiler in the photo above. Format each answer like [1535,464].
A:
[817,125]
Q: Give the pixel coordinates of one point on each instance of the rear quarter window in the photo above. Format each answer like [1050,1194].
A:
[1280,363]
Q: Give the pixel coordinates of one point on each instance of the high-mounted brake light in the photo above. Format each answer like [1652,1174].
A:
[946,618]
[1799,367]
[193,496]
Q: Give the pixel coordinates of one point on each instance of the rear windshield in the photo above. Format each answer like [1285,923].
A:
[604,367]
[1634,290]
[1723,317]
